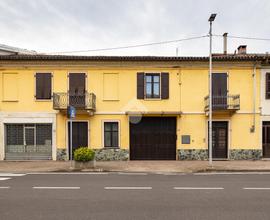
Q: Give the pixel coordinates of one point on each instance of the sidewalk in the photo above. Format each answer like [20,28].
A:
[138,166]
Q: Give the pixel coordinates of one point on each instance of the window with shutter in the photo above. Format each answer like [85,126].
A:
[43,86]
[152,85]
[267,86]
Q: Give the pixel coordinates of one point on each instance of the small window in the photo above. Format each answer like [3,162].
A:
[111,134]
[152,85]
[43,86]
[267,86]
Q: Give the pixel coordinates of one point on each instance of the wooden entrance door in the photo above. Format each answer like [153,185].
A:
[266,139]
[79,135]
[219,139]
[219,90]
[153,138]
[77,90]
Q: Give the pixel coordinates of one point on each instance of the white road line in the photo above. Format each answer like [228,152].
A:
[55,187]
[128,187]
[12,174]
[170,173]
[199,188]
[68,173]
[4,187]
[4,178]
[256,188]
[232,173]
[173,174]
[139,174]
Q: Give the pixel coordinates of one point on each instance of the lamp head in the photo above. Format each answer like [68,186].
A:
[212,17]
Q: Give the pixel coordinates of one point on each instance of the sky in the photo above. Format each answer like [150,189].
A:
[50,26]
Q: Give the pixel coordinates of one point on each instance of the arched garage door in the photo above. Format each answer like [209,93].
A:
[153,138]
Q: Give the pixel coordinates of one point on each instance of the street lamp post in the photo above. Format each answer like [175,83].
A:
[211,19]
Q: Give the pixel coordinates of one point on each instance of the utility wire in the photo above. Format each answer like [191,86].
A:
[130,46]
[247,38]
[156,43]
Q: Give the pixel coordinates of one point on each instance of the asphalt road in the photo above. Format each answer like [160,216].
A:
[134,196]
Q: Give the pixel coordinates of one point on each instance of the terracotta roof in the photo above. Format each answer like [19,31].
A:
[216,57]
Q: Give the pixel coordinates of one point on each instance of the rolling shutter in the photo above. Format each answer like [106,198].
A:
[164,85]
[140,85]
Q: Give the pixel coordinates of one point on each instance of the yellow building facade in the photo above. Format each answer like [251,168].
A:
[129,108]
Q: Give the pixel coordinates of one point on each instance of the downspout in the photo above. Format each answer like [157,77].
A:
[179,84]
[178,124]
[252,129]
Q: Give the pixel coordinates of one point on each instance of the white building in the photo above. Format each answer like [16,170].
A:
[265,109]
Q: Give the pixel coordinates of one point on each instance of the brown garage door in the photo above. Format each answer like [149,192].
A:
[153,138]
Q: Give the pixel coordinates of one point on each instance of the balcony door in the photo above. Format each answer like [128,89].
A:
[77,90]
[219,90]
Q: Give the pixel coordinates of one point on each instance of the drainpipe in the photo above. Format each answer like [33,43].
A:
[180,85]
[180,106]
[252,129]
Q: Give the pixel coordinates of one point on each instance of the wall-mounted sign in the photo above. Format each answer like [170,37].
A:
[71,112]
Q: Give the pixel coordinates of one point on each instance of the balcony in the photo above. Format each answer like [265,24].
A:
[223,103]
[85,101]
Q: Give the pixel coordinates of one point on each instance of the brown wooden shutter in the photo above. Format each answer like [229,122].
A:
[39,82]
[164,85]
[267,86]
[140,85]
[47,89]
[43,85]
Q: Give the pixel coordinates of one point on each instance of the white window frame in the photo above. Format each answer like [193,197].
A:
[146,98]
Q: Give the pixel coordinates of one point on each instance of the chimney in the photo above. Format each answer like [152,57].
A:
[225,43]
[242,49]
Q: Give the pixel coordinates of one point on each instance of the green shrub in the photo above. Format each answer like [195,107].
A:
[84,154]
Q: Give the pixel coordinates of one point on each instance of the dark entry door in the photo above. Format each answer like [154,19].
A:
[219,90]
[77,90]
[79,135]
[219,139]
[266,139]
[153,138]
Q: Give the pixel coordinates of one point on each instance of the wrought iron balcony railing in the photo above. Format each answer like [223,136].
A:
[84,101]
[228,102]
